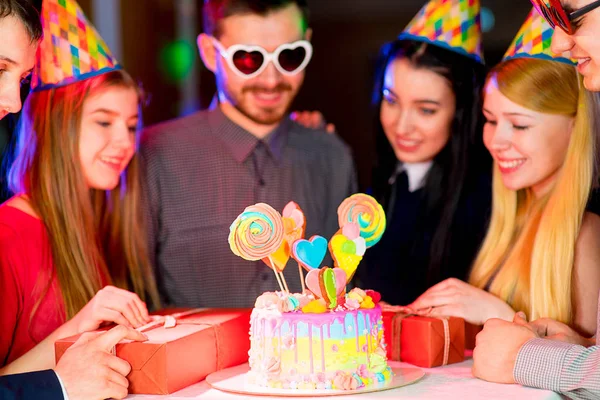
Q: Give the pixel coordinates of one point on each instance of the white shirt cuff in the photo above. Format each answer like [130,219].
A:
[62,386]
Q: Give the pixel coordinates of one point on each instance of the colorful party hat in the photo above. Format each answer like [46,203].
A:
[72,50]
[534,40]
[452,24]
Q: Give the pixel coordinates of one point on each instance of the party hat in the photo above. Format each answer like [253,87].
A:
[71,50]
[534,40]
[452,24]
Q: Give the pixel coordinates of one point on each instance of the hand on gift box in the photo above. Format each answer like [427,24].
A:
[455,298]
[553,330]
[111,304]
[497,347]
[88,370]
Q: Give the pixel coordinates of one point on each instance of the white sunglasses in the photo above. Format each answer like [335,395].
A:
[249,61]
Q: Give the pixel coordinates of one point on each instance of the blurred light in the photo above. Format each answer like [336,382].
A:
[488,20]
[177,60]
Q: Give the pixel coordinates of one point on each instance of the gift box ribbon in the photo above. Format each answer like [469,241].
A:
[403,312]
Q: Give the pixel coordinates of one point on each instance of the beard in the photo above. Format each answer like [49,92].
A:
[261,115]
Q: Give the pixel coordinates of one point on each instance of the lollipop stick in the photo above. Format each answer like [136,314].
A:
[287,289]
[276,274]
[301,277]
[279,281]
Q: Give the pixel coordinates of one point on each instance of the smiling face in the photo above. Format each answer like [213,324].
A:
[583,43]
[107,139]
[264,99]
[529,147]
[17,56]
[416,112]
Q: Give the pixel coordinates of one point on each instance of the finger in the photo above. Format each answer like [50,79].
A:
[113,391]
[118,365]
[117,379]
[443,285]
[123,305]
[435,300]
[139,307]
[109,339]
[520,319]
[110,315]
[330,128]
[85,338]
[317,119]
[452,310]
[540,326]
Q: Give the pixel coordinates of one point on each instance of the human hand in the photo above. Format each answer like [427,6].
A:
[312,119]
[88,370]
[111,304]
[497,347]
[455,298]
[553,330]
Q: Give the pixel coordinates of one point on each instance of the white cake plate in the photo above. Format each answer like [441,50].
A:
[233,380]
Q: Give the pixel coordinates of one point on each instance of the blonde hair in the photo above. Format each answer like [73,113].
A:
[94,234]
[528,254]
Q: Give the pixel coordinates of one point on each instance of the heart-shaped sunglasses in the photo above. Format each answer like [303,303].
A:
[249,61]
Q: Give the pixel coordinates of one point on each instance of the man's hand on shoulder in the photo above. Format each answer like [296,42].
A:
[313,120]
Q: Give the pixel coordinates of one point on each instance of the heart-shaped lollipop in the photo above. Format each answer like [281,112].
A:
[327,283]
[294,223]
[279,259]
[347,248]
[310,253]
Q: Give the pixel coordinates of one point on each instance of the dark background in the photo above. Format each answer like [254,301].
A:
[347,35]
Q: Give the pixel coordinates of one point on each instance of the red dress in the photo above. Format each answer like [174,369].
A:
[25,270]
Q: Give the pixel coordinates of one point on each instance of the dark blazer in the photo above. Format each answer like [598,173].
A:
[32,385]
[397,266]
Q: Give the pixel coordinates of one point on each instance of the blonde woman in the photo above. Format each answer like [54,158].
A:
[541,253]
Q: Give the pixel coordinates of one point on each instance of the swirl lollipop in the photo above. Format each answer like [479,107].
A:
[365,211]
[257,234]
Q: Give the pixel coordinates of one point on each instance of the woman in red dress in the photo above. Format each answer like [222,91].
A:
[72,245]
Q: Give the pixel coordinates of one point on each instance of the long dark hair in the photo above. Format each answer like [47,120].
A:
[457,167]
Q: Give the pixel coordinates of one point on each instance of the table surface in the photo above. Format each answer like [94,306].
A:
[449,382]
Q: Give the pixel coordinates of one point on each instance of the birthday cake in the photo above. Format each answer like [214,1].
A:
[325,337]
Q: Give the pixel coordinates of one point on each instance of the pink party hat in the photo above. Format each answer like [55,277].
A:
[452,24]
[534,40]
[72,50]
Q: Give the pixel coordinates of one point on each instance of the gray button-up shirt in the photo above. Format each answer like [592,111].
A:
[201,171]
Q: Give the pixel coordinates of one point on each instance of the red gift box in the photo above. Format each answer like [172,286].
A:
[471,332]
[202,342]
[422,341]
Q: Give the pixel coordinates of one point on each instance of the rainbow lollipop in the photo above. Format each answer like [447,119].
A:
[257,234]
[365,211]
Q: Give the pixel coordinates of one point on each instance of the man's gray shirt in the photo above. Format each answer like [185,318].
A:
[201,171]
